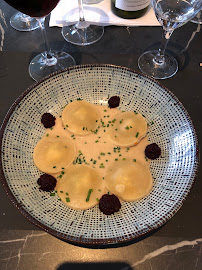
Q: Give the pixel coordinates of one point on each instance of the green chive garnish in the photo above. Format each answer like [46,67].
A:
[67,199]
[89,193]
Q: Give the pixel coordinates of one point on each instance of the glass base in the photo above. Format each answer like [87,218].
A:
[82,33]
[40,66]
[149,66]
[198,18]
[22,22]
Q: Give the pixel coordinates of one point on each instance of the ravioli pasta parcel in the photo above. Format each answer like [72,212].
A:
[96,154]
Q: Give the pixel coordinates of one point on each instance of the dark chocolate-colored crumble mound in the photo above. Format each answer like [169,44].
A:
[152,151]
[109,204]
[47,182]
[114,101]
[48,120]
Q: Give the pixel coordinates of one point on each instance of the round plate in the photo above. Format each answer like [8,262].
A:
[169,125]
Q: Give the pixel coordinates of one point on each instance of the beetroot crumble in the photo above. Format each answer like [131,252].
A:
[109,204]
[47,182]
[48,120]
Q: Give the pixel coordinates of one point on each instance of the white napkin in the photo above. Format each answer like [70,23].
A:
[66,13]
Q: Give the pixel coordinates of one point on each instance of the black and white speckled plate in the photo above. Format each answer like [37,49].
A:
[169,126]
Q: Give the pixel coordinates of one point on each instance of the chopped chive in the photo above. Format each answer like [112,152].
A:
[88,195]
[54,167]
[59,199]
[61,191]
[96,141]
[62,168]
[62,172]
[52,194]
[121,121]
[108,192]
[109,153]
[67,193]
[137,134]
[99,189]
[106,160]
[51,128]
[120,155]
[108,116]
[116,159]
[67,126]
[85,142]
[47,135]
[102,166]
[127,127]
[135,112]
[94,162]
[96,121]
[102,154]
[58,136]
[97,199]
[105,110]
[134,160]
[124,159]
[104,130]
[67,199]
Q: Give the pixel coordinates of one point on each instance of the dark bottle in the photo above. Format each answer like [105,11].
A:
[129,9]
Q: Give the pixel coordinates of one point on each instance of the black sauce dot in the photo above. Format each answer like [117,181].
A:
[152,151]
[109,204]
[114,101]
[48,120]
[47,182]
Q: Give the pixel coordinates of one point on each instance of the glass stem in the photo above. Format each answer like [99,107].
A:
[82,24]
[81,12]
[159,59]
[48,56]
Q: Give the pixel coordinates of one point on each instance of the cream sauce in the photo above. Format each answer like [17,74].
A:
[96,149]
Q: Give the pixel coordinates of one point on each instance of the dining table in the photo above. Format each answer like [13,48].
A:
[177,244]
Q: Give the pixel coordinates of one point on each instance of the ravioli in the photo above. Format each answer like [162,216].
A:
[128,129]
[80,117]
[129,180]
[80,187]
[53,153]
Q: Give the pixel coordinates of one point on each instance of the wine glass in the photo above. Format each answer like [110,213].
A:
[23,22]
[198,18]
[171,14]
[82,33]
[49,61]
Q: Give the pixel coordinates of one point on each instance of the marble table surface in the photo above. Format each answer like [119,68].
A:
[175,246]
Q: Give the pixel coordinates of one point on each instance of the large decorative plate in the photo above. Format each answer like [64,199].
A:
[171,129]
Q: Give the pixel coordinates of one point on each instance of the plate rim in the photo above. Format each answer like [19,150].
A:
[108,242]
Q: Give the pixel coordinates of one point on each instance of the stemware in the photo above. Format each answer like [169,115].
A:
[198,18]
[82,33]
[23,22]
[49,61]
[171,14]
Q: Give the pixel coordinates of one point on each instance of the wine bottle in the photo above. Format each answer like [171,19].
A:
[129,9]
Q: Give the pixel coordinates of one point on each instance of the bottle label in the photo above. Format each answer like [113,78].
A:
[131,5]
